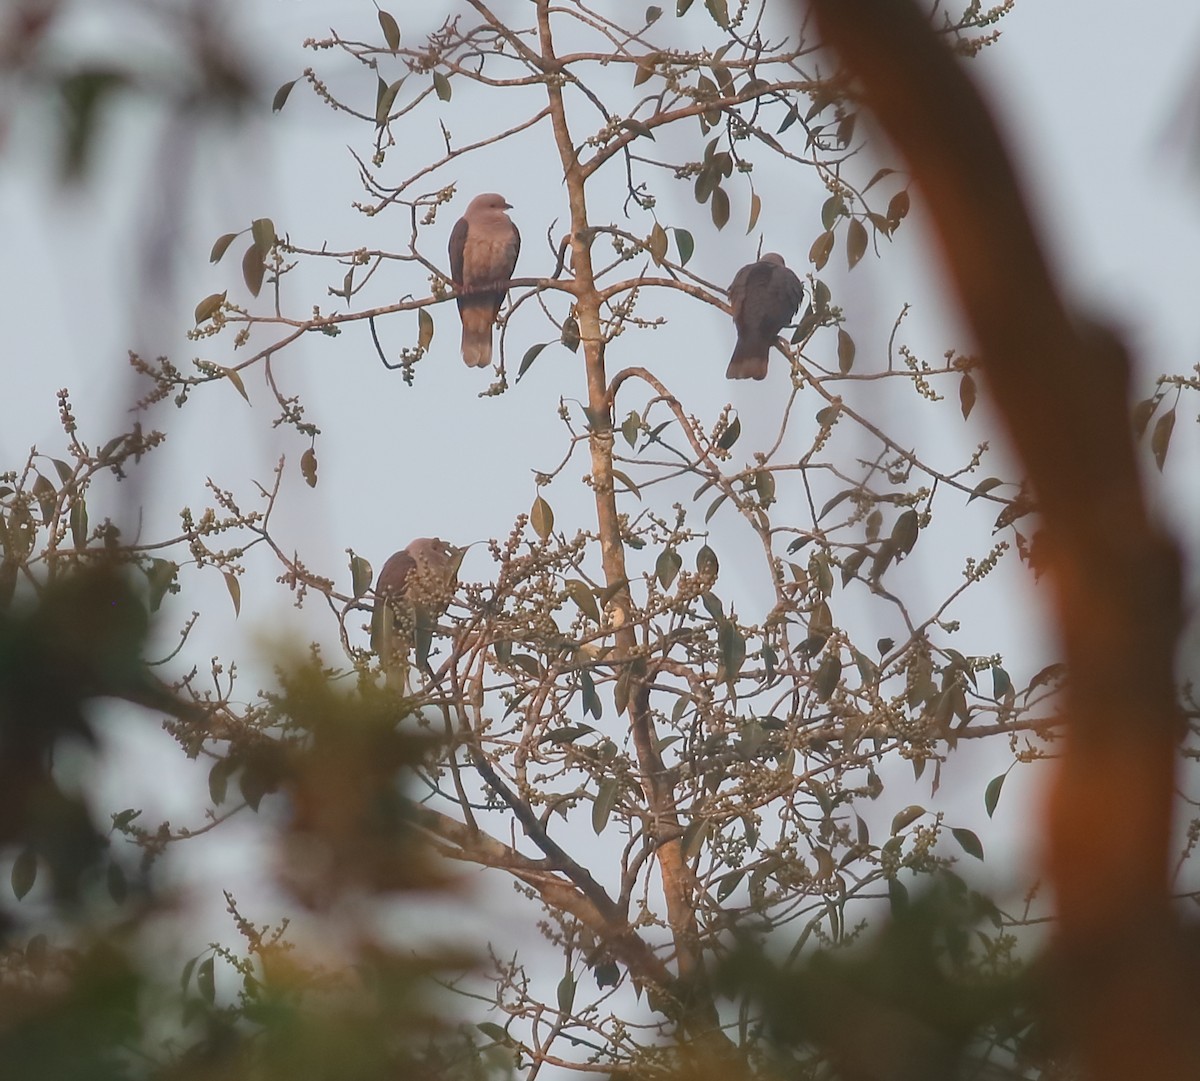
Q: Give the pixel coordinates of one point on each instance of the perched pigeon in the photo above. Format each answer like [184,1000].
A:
[416,585]
[764,297]
[423,569]
[483,253]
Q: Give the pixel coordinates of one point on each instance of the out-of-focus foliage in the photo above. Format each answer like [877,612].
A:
[179,57]
[81,998]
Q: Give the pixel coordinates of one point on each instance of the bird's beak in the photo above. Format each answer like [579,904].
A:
[508,206]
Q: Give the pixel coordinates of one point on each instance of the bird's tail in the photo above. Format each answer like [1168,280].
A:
[477,335]
[749,361]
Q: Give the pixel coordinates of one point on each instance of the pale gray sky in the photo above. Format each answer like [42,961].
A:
[1100,107]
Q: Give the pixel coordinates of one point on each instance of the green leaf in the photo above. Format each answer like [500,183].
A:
[386,99]
[424,328]
[391,31]
[712,605]
[834,501]
[566,994]
[79,522]
[630,427]
[657,244]
[727,883]
[24,873]
[1142,412]
[845,129]
[897,896]
[719,207]
[1001,682]
[868,670]
[770,661]
[442,86]
[122,818]
[755,210]
[591,700]
[991,794]
[235,377]
[47,496]
[821,249]
[606,798]
[706,562]
[681,7]
[205,981]
[361,575]
[567,734]
[694,837]
[308,467]
[832,209]
[645,68]
[828,676]
[719,10]
[898,208]
[851,564]
[983,487]
[263,231]
[966,395]
[764,486]
[570,333]
[732,648]
[667,566]
[583,597]
[253,269]
[209,306]
[219,248]
[541,517]
[1160,438]
[531,354]
[879,175]
[625,479]
[906,817]
[845,351]
[493,1032]
[856,243]
[218,779]
[905,531]
[969,842]
[730,435]
[280,99]
[653,14]
[685,245]
[185,976]
[235,592]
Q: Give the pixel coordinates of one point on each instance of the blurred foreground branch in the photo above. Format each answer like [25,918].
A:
[1060,384]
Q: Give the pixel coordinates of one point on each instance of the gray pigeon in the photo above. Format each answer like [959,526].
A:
[764,297]
[483,254]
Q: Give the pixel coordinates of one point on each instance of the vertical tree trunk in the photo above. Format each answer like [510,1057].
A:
[663,825]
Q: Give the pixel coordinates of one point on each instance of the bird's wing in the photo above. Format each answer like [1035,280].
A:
[770,298]
[458,243]
[491,254]
[737,290]
[393,579]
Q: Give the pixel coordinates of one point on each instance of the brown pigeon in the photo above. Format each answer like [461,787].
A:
[424,568]
[416,583]
[764,297]
[483,254]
